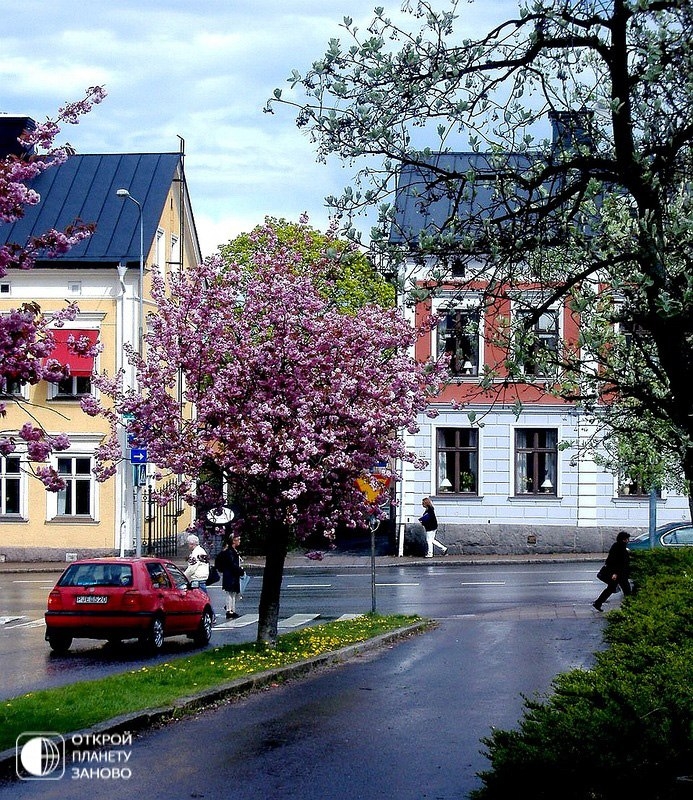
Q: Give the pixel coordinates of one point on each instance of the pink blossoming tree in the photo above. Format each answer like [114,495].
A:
[287,396]
[26,343]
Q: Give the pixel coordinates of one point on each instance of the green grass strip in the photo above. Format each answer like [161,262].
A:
[80,705]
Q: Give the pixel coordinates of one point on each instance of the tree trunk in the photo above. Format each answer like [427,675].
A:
[268,611]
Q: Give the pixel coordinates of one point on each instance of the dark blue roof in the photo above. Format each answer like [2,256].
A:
[449,193]
[84,189]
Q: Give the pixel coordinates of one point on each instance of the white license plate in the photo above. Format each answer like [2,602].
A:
[91,598]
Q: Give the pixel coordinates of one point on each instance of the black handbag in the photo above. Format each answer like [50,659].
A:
[605,574]
[214,576]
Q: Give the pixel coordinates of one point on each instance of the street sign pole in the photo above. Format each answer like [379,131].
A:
[138,457]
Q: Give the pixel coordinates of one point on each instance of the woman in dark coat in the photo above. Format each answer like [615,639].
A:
[618,565]
[228,562]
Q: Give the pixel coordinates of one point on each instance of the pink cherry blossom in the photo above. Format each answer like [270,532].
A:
[288,399]
[26,342]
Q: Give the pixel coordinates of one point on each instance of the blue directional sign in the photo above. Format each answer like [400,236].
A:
[138,456]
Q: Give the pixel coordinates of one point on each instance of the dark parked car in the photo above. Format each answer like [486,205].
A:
[674,534]
[125,598]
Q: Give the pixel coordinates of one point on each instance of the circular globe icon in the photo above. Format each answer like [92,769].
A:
[40,756]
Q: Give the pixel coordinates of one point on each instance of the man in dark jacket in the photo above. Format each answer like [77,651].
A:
[618,568]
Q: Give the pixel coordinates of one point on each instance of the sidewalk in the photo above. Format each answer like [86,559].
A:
[350,560]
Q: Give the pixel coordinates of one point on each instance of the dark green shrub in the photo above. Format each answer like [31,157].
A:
[623,729]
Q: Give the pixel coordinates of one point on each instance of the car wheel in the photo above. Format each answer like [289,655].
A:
[59,643]
[204,630]
[154,640]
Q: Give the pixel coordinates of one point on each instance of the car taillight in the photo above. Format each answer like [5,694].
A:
[55,600]
[131,600]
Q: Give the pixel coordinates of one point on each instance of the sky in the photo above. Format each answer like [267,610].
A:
[197,72]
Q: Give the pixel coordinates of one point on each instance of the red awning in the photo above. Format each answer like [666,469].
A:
[80,366]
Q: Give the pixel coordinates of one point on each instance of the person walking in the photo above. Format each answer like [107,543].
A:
[618,569]
[229,562]
[430,523]
[198,562]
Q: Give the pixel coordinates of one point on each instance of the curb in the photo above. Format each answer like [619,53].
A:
[138,721]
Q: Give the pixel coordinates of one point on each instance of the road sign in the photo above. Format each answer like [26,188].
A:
[138,456]
[372,494]
[139,474]
[220,516]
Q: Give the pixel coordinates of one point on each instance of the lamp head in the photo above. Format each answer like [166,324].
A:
[122,193]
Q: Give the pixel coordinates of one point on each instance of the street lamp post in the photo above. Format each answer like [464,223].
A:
[124,193]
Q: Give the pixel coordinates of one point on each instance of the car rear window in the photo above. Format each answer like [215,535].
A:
[97,575]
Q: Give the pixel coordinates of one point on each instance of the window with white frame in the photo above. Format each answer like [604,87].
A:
[536,461]
[11,387]
[70,388]
[69,350]
[10,486]
[160,249]
[537,339]
[457,451]
[175,251]
[76,499]
[458,339]
[634,487]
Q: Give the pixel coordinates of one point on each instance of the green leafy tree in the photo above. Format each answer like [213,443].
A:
[347,274]
[600,216]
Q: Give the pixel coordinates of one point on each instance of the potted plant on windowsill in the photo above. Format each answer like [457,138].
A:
[467,481]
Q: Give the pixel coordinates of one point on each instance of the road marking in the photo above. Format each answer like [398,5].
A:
[239,622]
[50,581]
[294,621]
[308,585]
[33,623]
[397,584]
[482,583]
[5,620]
[297,619]
[592,581]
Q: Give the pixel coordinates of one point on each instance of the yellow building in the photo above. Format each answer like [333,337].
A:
[143,216]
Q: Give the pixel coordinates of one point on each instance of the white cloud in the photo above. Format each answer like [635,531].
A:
[199,71]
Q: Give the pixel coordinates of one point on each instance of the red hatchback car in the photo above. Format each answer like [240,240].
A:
[125,598]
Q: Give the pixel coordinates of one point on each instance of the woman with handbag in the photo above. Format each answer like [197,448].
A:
[228,562]
[616,570]
[430,523]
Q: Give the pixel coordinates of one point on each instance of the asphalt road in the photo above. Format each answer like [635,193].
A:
[309,595]
[404,721]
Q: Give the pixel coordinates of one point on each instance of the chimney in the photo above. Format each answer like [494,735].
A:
[11,128]
[571,129]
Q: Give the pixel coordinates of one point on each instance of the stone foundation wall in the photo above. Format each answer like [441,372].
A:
[512,539]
